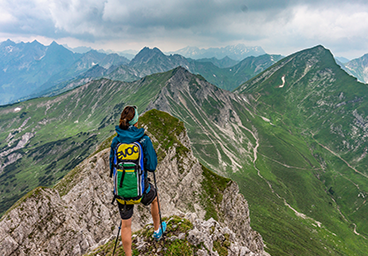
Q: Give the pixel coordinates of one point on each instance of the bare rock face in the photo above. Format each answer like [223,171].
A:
[77,216]
[45,223]
[236,216]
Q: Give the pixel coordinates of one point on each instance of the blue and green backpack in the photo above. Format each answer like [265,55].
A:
[128,173]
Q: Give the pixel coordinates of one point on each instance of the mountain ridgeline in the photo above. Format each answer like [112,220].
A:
[293,138]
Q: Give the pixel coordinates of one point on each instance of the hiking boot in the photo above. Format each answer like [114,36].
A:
[158,235]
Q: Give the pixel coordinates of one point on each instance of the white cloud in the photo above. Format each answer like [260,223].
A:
[78,17]
[330,24]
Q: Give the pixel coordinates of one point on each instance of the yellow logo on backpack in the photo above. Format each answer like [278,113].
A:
[128,152]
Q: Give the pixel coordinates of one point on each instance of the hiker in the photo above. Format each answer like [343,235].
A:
[128,132]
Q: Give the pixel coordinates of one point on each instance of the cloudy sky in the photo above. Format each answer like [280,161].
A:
[278,26]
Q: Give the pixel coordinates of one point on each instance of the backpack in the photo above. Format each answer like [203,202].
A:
[128,173]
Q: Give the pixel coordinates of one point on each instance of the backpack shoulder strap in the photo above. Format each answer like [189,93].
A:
[141,155]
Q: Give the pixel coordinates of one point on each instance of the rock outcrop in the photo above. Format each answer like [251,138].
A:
[76,215]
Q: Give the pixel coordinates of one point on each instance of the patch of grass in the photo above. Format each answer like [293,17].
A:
[213,186]
[179,248]
[166,130]
[221,247]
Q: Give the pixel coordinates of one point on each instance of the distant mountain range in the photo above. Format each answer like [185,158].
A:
[357,68]
[30,70]
[235,52]
[224,73]
[342,59]
[129,54]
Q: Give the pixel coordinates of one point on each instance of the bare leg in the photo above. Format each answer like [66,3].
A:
[126,236]
[155,214]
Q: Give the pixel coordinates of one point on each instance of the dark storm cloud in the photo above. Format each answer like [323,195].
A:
[105,18]
[273,24]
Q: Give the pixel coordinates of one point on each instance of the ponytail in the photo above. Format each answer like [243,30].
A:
[123,124]
[126,115]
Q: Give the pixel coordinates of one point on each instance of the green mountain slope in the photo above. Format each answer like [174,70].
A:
[274,165]
[309,96]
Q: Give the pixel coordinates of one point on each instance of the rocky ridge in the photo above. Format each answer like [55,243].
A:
[76,215]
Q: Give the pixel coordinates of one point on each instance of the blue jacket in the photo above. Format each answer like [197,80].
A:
[133,134]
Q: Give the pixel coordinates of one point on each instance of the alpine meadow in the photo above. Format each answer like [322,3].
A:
[289,133]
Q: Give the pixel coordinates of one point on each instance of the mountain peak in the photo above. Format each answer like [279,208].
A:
[147,50]
[53,43]
[180,73]
[310,60]
[35,42]
[180,69]
[56,47]
[7,43]
[318,49]
[145,55]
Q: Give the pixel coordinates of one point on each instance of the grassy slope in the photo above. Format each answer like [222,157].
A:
[311,179]
[297,183]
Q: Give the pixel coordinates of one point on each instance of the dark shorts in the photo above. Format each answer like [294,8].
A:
[147,199]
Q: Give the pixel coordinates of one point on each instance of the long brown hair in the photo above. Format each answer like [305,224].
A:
[127,115]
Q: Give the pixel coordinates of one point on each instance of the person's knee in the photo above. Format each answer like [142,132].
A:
[126,223]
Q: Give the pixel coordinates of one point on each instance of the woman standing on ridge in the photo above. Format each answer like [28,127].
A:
[127,133]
